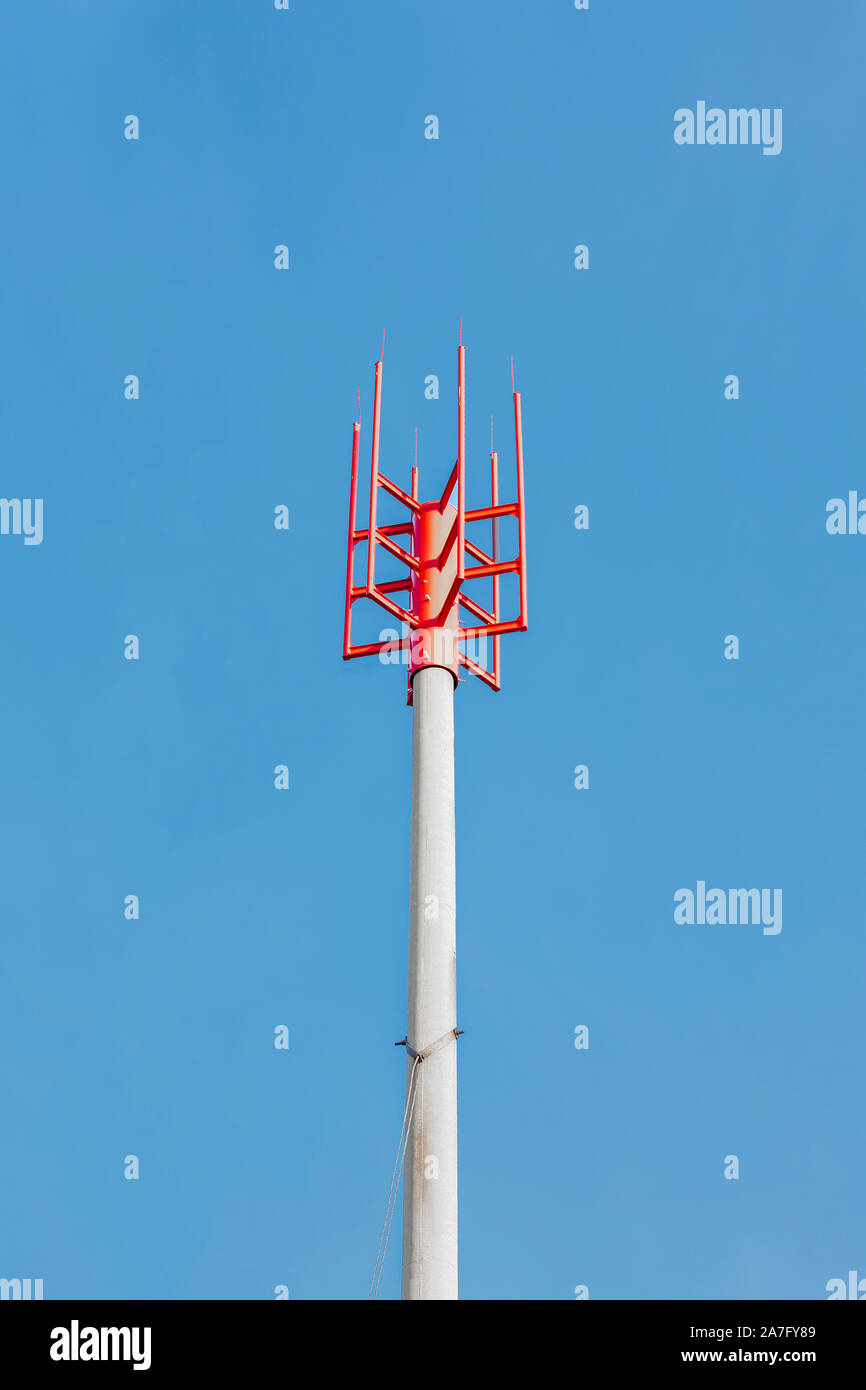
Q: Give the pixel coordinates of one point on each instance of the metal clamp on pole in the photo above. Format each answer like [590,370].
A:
[434,1047]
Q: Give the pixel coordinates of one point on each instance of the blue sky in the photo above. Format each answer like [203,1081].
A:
[154,1037]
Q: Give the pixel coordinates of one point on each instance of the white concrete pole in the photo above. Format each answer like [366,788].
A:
[430,1175]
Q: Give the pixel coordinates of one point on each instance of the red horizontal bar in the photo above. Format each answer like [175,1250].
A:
[403,529]
[391,586]
[488,513]
[488,571]
[370,648]
[492,629]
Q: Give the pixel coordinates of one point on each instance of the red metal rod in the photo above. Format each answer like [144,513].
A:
[461,460]
[398,492]
[488,677]
[472,607]
[461,489]
[488,571]
[452,594]
[479,553]
[374,481]
[494,526]
[353,491]
[491,629]
[521,510]
[449,485]
[449,545]
[394,608]
[398,552]
[392,586]
[485,513]
[403,528]
[370,648]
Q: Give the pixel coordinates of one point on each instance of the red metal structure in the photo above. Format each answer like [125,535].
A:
[439,556]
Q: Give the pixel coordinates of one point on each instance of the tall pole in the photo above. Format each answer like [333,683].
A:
[430,1179]
[436,559]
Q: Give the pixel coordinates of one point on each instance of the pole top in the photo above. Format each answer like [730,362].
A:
[439,557]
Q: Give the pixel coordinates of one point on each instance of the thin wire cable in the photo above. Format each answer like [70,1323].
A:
[411,1093]
[397,1188]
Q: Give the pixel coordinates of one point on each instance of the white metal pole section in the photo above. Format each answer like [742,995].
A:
[430,1180]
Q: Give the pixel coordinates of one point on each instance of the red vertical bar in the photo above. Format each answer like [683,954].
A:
[494,498]
[350,559]
[374,482]
[461,460]
[521,510]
